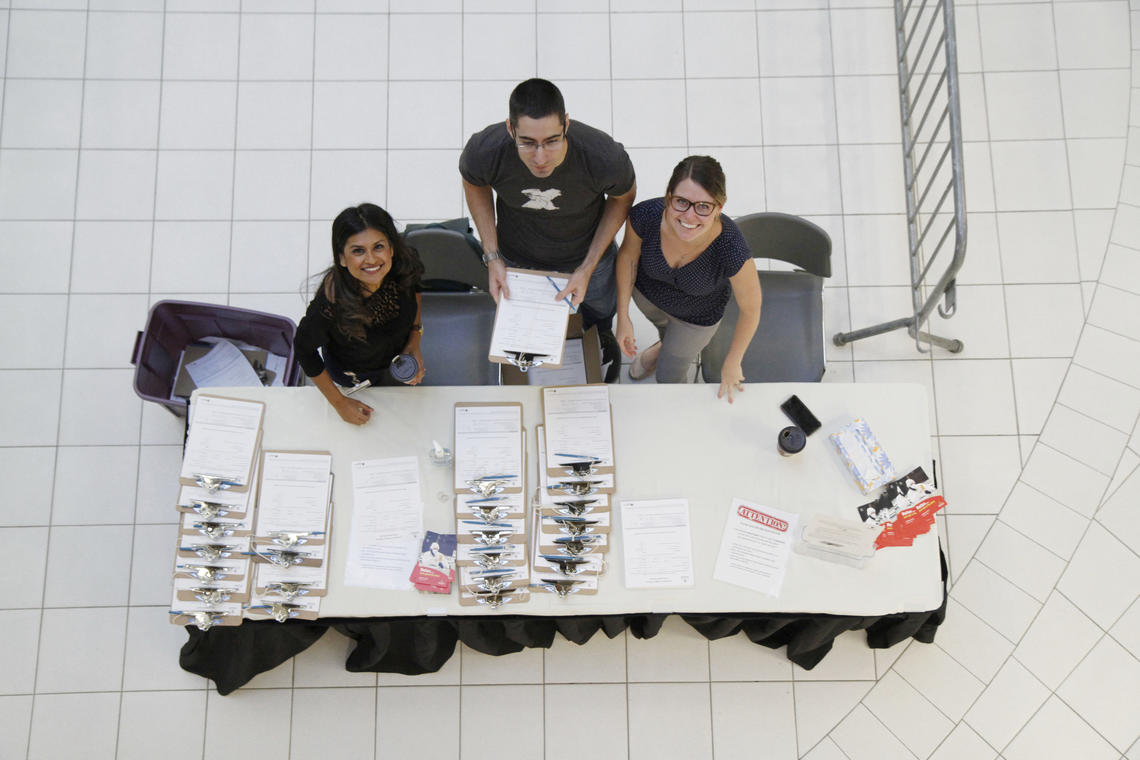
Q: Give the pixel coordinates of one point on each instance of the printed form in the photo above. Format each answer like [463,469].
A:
[387,520]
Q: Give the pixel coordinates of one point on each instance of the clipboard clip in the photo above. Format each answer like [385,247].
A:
[581,468]
[490,557]
[282,557]
[575,508]
[576,545]
[211,595]
[209,552]
[500,581]
[358,384]
[492,536]
[288,589]
[487,487]
[564,587]
[211,484]
[574,526]
[214,530]
[204,620]
[525,361]
[565,564]
[289,539]
[206,573]
[576,487]
[279,611]
[493,599]
[489,513]
[209,509]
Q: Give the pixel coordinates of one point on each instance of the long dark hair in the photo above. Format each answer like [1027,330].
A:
[344,290]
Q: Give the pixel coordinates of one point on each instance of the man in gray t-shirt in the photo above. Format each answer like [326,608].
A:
[563,191]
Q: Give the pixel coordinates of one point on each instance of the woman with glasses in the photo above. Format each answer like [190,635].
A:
[679,261]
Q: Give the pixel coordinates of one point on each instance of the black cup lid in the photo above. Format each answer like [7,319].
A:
[792,439]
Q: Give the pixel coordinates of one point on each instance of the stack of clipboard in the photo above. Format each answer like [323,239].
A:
[217,500]
[290,539]
[490,504]
[577,473]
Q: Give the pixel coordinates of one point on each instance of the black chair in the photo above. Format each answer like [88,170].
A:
[789,343]
[452,260]
[457,339]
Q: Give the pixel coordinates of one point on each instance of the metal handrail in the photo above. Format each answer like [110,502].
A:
[928,292]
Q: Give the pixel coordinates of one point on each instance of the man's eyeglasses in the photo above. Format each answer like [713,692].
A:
[550,144]
[681,205]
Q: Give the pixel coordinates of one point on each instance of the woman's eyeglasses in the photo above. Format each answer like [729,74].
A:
[681,205]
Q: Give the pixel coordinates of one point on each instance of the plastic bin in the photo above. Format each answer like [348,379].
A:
[172,325]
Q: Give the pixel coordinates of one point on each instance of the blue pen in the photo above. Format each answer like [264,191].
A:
[573,308]
[577,456]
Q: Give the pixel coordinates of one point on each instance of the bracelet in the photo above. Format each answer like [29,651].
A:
[490,256]
[418,328]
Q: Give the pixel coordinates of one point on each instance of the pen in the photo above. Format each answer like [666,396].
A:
[557,289]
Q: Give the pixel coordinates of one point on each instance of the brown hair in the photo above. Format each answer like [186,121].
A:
[705,171]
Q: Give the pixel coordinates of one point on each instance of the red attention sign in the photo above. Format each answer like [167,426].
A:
[748,513]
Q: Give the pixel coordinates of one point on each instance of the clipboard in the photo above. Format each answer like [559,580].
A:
[196,451]
[261,535]
[470,464]
[528,326]
[556,464]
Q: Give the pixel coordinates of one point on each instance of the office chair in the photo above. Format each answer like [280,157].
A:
[457,338]
[452,259]
[789,343]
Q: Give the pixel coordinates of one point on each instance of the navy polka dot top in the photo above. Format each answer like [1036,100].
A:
[698,291]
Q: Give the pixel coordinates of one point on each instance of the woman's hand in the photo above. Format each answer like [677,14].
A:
[414,349]
[731,379]
[352,411]
[624,336]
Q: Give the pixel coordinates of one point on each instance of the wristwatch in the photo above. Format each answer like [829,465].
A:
[489,256]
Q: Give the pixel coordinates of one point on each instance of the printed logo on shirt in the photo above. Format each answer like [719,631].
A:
[543,200]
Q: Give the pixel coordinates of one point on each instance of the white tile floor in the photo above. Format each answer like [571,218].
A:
[153,149]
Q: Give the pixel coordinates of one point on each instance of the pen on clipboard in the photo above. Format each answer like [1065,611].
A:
[569,302]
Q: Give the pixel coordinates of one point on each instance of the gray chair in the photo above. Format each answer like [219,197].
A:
[457,338]
[789,343]
[452,260]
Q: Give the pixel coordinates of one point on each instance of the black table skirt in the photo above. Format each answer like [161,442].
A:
[232,656]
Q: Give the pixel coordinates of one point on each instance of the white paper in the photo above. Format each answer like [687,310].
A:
[488,441]
[572,371]
[387,520]
[531,321]
[223,365]
[754,548]
[577,421]
[295,492]
[269,573]
[656,543]
[222,440]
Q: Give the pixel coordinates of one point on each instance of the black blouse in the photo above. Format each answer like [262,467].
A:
[384,338]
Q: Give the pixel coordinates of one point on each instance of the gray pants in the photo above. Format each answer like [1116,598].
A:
[681,341]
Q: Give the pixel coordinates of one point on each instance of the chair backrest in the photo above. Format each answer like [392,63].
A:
[788,345]
[772,235]
[457,339]
[452,260]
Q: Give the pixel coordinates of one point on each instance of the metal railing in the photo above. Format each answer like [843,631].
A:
[932,166]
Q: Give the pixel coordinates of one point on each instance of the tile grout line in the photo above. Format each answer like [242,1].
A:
[59,415]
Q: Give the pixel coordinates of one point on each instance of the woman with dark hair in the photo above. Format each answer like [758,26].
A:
[679,261]
[366,310]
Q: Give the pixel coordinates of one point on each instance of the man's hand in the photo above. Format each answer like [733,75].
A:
[497,279]
[576,286]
